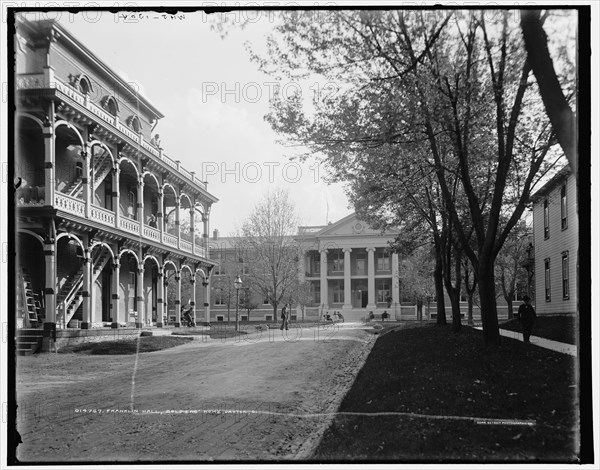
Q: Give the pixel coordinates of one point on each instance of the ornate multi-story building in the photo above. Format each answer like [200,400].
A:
[103,217]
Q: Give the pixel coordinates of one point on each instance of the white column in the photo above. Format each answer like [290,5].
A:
[324,299]
[301,265]
[347,280]
[50,287]
[115,293]
[371,303]
[140,204]
[193,234]
[178,298]
[207,303]
[205,220]
[160,215]
[177,226]
[139,297]
[115,196]
[86,181]
[395,282]
[87,286]
[166,295]
[160,296]
[49,160]
[193,299]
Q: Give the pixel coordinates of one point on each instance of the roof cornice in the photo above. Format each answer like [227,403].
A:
[70,41]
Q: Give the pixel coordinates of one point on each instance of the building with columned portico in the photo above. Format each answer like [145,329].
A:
[104,218]
[349,268]
[346,264]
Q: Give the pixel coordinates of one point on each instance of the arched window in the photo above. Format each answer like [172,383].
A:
[84,84]
[110,104]
[134,123]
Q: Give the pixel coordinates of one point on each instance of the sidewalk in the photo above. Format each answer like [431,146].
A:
[564,348]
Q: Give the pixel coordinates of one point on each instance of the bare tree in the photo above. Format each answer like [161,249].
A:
[269,249]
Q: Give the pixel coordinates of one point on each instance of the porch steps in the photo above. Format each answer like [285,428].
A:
[29,301]
[29,341]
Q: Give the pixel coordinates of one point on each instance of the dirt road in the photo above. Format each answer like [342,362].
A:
[259,398]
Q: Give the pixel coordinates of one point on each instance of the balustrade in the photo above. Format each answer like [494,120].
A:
[99,214]
[69,204]
[169,240]
[151,233]
[200,251]
[129,225]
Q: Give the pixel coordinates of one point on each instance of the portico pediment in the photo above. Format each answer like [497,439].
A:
[350,225]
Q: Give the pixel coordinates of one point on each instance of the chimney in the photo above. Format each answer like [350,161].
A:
[215,234]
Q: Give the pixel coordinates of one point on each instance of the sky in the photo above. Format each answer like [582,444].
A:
[214,99]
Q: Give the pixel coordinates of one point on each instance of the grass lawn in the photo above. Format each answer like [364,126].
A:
[431,371]
[128,346]
[561,328]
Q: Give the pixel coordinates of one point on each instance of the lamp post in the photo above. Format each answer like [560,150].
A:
[237,284]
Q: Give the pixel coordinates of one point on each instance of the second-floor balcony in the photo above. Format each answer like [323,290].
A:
[108,218]
[89,181]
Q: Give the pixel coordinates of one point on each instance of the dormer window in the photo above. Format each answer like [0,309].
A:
[134,123]
[110,105]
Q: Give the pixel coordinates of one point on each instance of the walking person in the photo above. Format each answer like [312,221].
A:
[284,318]
[526,317]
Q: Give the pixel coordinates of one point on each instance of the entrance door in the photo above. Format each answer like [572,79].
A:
[364,298]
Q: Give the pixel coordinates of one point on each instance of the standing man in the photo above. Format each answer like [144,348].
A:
[526,317]
[284,319]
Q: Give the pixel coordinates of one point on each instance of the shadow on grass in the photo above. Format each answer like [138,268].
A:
[129,346]
[431,371]
[562,328]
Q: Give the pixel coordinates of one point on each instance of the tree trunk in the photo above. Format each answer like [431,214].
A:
[438,277]
[558,110]
[470,309]
[509,302]
[419,309]
[455,302]
[487,294]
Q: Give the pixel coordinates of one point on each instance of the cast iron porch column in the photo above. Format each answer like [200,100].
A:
[178,299]
[114,306]
[139,297]
[87,286]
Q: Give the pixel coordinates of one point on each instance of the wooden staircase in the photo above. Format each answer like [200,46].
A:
[29,303]
[70,297]
[101,169]
[29,341]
